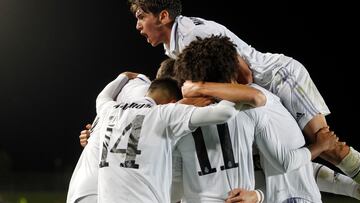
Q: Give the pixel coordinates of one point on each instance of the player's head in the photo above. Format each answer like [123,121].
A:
[155,18]
[212,59]
[166,69]
[173,7]
[164,90]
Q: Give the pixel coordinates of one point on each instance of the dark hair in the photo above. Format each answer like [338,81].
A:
[169,87]
[166,68]
[212,59]
[174,7]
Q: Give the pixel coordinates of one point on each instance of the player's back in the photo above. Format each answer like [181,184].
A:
[216,159]
[287,166]
[263,65]
[136,151]
[84,180]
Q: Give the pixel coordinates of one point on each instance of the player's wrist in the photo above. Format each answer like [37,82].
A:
[260,196]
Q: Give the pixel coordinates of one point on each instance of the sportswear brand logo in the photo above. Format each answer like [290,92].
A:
[197,21]
[299,116]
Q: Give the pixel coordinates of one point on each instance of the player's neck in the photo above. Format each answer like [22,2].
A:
[167,34]
[159,98]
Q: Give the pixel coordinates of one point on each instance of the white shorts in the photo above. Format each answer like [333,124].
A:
[298,93]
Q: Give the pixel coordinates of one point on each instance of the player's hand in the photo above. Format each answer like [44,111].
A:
[130,75]
[84,135]
[191,89]
[327,139]
[241,195]
[197,101]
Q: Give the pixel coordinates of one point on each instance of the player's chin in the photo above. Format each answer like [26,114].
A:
[153,43]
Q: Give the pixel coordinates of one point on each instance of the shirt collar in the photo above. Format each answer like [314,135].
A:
[172,51]
[151,101]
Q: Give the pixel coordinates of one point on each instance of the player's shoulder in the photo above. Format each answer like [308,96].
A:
[271,98]
[171,107]
[191,27]
[172,110]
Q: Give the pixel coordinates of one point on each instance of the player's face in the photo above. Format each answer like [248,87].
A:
[150,27]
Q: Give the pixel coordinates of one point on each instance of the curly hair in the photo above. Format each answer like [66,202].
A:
[174,7]
[212,59]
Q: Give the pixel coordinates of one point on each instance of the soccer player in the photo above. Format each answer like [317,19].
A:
[327,179]
[83,184]
[137,139]
[161,23]
[83,187]
[286,163]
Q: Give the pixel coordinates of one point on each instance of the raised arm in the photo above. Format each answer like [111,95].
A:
[237,93]
[109,93]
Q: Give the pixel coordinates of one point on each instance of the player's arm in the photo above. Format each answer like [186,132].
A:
[197,101]
[215,114]
[109,93]
[237,93]
[123,77]
[325,140]
[285,159]
[183,119]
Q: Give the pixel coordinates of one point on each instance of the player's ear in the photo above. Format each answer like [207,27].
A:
[164,17]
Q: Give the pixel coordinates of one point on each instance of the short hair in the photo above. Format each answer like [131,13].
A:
[174,7]
[212,59]
[166,69]
[168,86]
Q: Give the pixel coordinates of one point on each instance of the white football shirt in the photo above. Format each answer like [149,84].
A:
[137,140]
[286,163]
[185,30]
[219,158]
[84,180]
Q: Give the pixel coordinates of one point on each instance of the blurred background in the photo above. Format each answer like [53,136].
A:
[56,56]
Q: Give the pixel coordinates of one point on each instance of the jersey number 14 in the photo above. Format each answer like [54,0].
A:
[131,151]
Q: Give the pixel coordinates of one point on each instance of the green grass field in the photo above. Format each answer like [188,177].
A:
[32,197]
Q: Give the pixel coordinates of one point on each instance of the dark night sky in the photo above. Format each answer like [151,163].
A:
[55,56]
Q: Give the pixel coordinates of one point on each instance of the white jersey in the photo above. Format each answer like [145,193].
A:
[286,163]
[137,141]
[292,84]
[134,89]
[216,159]
[207,179]
[185,30]
[135,163]
[84,180]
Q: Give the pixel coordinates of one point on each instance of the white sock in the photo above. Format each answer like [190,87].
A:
[336,183]
[350,165]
